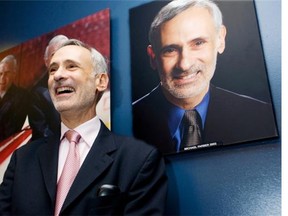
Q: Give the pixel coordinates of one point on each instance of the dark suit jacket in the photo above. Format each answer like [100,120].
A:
[231,118]
[13,111]
[29,186]
[44,119]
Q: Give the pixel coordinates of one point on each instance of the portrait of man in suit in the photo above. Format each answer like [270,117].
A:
[187,111]
[13,111]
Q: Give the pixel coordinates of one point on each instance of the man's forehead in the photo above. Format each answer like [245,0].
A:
[192,20]
[5,66]
[70,48]
[192,14]
[70,52]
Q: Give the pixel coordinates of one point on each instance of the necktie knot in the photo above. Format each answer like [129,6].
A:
[72,136]
[192,118]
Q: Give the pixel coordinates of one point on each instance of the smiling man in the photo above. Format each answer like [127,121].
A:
[85,169]
[72,84]
[185,111]
[14,100]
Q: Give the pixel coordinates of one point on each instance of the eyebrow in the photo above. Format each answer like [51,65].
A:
[67,61]
[175,46]
[52,64]
[179,47]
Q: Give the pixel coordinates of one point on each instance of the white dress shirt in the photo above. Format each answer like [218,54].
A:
[88,132]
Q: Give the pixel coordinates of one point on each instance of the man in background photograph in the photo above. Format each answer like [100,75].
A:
[14,100]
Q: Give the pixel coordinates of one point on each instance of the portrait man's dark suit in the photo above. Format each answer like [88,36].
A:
[43,117]
[109,162]
[231,118]
[13,111]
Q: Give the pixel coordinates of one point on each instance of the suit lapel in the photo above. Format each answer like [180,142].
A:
[48,158]
[96,162]
[159,123]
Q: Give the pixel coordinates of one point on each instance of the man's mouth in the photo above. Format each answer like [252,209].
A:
[186,76]
[189,76]
[64,90]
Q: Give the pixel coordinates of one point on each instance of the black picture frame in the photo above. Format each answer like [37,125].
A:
[240,69]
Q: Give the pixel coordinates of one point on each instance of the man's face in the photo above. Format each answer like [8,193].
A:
[187,53]
[7,76]
[72,83]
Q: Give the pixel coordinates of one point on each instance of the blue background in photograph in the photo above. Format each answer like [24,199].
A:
[233,180]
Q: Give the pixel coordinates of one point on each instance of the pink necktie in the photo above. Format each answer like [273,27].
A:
[70,170]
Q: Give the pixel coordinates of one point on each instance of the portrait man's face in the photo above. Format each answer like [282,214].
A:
[72,82]
[186,55]
[7,76]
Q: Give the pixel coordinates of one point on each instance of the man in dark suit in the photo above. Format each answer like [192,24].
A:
[43,117]
[186,37]
[117,176]
[13,99]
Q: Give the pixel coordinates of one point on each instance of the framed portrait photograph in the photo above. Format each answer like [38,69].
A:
[199,77]
[26,109]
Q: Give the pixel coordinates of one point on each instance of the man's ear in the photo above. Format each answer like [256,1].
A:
[152,57]
[221,38]
[102,81]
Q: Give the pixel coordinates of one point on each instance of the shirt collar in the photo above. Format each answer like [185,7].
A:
[88,130]
[2,94]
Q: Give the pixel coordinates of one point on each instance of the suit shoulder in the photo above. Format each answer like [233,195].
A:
[223,95]
[134,146]
[31,147]
[149,98]
[227,105]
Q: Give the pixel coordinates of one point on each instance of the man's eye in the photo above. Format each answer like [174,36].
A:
[7,73]
[199,43]
[169,51]
[52,70]
[71,66]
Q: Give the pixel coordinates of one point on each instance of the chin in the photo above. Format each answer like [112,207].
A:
[61,107]
[189,92]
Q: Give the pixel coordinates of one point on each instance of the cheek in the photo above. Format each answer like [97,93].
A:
[9,80]
[210,66]
[166,65]
[89,85]
[50,81]
[209,57]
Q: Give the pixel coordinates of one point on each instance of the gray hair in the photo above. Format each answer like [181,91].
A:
[52,46]
[175,7]
[98,61]
[10,59]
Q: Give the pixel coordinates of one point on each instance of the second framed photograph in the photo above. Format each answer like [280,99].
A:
[199,77]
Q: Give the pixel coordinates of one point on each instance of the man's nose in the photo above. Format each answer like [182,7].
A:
[59,74]
[185,60]
[2,75]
